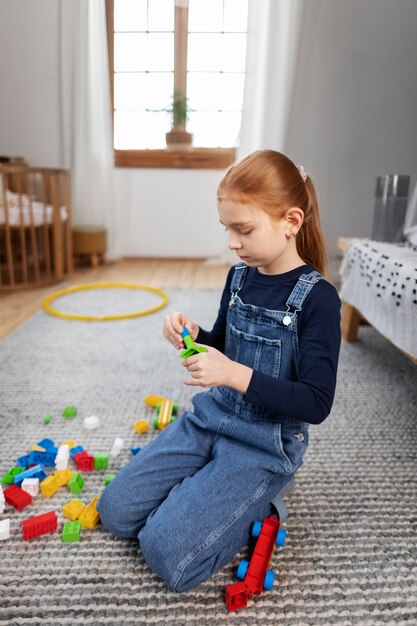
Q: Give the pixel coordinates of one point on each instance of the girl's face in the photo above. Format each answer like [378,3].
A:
[258,240]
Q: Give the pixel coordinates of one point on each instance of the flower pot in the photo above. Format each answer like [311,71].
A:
[178,140]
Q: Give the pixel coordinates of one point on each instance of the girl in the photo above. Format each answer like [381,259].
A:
[191,495]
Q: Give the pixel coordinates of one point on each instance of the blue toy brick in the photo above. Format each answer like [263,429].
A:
[46,443]
[23,461]
[75,450]
[135,450]
[32,472]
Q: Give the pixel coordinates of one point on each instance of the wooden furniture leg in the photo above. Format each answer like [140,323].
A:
[351,318]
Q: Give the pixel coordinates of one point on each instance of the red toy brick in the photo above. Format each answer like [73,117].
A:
[18,498]
[237,595]
[84,461]
[39,525]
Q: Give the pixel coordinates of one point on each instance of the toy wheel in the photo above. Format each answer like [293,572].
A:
[155,422]
[269,580]
[256,529]
[281,537]
[174,409]
[158,408]
[172,420]
[242,569]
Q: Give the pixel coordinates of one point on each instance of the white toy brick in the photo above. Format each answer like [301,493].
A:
[31,486]
[91,423]
[4,529]
[2,500]
[117,446]
[62,457]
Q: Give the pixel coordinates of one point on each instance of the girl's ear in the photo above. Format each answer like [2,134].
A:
[294,218]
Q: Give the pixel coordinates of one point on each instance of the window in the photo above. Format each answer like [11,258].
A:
[194,48]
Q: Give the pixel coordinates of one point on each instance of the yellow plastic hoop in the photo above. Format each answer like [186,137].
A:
[104,318]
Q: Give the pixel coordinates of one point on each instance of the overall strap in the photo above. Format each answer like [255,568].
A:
[238,279]
[302,288]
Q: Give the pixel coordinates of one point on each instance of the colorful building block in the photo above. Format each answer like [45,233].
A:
[135,450]
[18,498]
[47,419]
[49,486]
[76,483]
[31,486]
[90,517]
[62,457]
[191,348]
[91,423]
[70,443]
[8,478]
[4,529]
[75,449]
[45,444]
[73,509]
[39,525]
[117,446]
[84,461]
[101,460]
[108,478]
[2,500]
[23,461]
[33,472]
[141,426]
[71,532]
[166,411]
[69,411]
[63,476]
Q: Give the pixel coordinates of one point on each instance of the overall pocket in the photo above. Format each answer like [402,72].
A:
[291,443]
[255,351]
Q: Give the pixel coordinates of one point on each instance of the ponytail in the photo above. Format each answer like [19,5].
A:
[310,241]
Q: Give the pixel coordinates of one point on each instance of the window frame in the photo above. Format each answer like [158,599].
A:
[192,158]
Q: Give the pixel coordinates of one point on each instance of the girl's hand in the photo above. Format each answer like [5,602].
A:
[213,368]
[173,327]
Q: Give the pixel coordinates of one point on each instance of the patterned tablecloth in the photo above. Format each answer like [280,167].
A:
[380,280]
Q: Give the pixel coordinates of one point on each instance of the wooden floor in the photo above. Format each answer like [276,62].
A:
[18,306]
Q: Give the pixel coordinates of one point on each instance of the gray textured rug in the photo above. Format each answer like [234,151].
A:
[351,551]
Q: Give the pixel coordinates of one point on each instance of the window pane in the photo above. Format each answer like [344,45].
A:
[161,15]
[209,91]
[205,16]
[139,130]
[214,130]
[140,52]
[235,16]
[216,52]
[130,15]
[143,90]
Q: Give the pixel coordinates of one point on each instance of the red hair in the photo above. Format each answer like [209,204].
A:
[272,182]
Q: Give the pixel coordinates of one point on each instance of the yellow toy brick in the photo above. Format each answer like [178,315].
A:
[141,426]
[70,443]
[63,476]
[90,517]
[38,448]
[153,400]
[73,509]
[49,486]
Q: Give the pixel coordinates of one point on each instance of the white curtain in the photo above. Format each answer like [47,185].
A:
[86,121]
[274,31]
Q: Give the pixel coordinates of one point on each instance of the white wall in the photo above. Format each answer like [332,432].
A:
[354,117]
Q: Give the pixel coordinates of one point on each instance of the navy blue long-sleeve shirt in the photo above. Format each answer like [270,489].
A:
[310,398]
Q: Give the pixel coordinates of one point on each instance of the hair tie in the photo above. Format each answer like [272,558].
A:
[302,172]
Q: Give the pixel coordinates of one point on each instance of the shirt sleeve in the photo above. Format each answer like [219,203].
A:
[310,398]
[216,337]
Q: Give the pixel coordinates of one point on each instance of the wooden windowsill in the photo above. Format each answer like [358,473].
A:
[194,158]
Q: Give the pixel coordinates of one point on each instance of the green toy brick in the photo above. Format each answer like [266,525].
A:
[69,412]
[47,419]
[8,478]
[108,478]
[101,460]
[76,483]
[71,531]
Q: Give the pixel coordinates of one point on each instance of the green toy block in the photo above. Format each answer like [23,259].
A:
[76,483]
[71,531]
[47,419]
[8,478]
[69,412]
[101,460]
[108,478]
[191,347]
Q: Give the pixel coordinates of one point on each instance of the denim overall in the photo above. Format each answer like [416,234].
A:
[191,495]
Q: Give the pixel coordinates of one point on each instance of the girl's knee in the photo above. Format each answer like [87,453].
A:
[114,515]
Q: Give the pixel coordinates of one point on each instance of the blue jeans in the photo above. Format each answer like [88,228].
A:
[191,495]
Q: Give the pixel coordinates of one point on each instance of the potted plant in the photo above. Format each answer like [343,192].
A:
[178,138]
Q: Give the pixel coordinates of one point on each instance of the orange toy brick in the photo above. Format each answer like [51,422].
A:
[73,509]
[49,486]
[90,517]
[39,525]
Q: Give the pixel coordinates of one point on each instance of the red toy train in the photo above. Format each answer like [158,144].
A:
[255,575]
